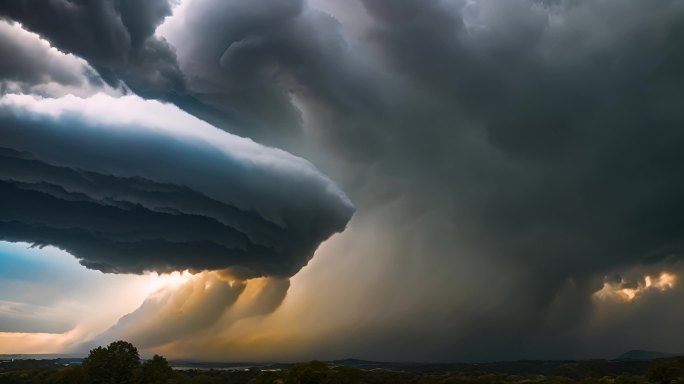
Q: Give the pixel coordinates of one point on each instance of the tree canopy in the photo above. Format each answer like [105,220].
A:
[117,363]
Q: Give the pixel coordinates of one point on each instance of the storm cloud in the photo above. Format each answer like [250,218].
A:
[55,74]
[115,36]
[157,190]
[505,156]
[508,161]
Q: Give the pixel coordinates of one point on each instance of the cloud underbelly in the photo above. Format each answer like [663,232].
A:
[154,189]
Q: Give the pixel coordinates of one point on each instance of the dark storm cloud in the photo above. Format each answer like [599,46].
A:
[582,114]
[55,73]
[165,192]
[263,54]
[505,157]
[114,36]
[537,143]
[584,110]
[20,64]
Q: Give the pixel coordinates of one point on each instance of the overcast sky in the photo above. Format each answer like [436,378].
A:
[444,180]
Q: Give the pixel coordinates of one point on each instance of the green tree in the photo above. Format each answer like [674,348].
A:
[117,363]
[663,371]
[348,375]
[155,371]
[96,365]
[267,377]
[314,372]
[67,375]
[628,378]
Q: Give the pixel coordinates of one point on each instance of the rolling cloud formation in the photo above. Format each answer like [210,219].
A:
[155,189]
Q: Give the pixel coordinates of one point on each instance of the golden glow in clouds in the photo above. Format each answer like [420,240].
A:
[623,291]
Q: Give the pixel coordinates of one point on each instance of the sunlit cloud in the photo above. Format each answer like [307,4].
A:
[166,281]
[185,305]
[623,290]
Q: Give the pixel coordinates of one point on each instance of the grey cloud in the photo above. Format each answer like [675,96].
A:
[264,55]
[135,196]
[22,317]
[55,74]
[20,63]
[580,176]
[505,157]
[534,143]
[115,36]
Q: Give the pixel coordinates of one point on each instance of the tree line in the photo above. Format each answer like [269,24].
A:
[120,363]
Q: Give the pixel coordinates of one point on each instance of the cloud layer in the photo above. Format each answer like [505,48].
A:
[155,189]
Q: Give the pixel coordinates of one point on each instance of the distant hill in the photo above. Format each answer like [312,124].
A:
[575,369]
[638,354]
[567,368]
[363,364]
[634,362]
[38,356]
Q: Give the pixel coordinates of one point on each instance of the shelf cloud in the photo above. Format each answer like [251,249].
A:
[155,189]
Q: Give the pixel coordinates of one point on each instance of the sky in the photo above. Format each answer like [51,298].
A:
[397,180]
